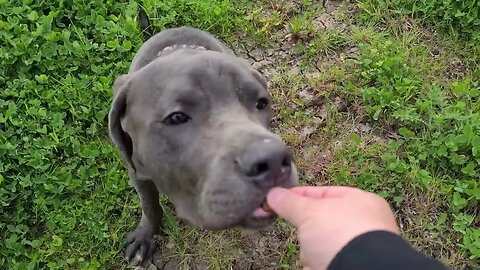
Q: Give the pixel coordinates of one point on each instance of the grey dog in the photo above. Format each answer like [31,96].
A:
[192,121]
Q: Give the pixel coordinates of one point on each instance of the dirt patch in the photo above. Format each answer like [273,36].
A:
[328,20]
[456,68]
[264,249]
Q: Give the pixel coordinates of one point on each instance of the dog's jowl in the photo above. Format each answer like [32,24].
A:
[191,121]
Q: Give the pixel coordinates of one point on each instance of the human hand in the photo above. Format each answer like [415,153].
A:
[328,218]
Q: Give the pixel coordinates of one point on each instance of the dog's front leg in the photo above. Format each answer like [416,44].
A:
[140,241]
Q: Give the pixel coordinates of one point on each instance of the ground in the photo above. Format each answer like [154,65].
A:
[364,95]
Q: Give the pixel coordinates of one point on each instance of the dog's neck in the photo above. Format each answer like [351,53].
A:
[175,47]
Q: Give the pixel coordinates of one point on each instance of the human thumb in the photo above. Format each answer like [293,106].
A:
[288,205]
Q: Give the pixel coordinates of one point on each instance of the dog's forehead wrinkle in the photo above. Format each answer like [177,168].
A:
[187,95]
[168,96]
[217,92]
[218,76]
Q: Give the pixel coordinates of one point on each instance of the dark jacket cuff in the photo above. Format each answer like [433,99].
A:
[382,250]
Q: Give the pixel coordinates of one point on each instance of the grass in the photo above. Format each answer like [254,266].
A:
[388,102]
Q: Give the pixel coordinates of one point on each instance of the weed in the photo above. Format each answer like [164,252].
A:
[324,43]
[459,18]
[301,27]
[263,24]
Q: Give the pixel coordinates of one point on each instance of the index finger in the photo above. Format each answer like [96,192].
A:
[325,192]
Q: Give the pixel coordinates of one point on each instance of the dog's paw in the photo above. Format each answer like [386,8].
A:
[140,245]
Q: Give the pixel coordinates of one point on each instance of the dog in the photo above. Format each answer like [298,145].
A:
[192,121]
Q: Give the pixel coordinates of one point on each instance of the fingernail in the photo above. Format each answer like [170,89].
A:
[276,195]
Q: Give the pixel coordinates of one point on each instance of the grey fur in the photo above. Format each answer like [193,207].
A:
[216,168]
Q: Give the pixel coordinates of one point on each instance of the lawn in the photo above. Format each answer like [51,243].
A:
[379,94]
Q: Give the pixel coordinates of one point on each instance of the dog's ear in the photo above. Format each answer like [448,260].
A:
[119,82]
[117,112]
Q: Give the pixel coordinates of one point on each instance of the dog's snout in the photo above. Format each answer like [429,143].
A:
[266,161]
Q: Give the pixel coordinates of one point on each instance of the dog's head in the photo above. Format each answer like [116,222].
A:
[197,124]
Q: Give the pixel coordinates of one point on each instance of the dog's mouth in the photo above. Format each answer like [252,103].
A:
[260,217]
[263,211]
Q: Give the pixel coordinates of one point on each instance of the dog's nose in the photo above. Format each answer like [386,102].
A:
[267,162]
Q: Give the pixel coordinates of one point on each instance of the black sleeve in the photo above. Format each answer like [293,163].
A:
[382,250]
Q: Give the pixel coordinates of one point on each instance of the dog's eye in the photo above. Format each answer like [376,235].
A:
[262,103]
[176,118]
